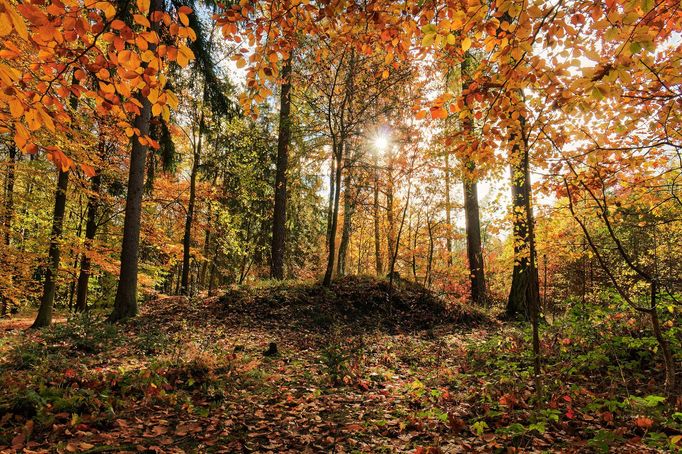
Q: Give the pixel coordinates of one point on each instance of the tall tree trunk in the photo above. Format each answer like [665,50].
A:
[390,238]
[448,208]
[125,303]
[8,213]
[76,259]
[394,254]
[44,317]
[335,215]
[429,259]
[414,248]
[207,243]
[25,229]
[330,202]
[189,218]
[280,211]
[348,210]
[524,292]
[377,221]
[473,231]
[90,231]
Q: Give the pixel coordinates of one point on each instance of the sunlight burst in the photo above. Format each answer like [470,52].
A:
[381,143]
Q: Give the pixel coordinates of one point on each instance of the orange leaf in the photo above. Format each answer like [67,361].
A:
[644,422]
[88,170]
[141,20]
[143,5]
[439,113]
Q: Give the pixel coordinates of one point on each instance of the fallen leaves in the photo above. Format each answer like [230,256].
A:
[409,393]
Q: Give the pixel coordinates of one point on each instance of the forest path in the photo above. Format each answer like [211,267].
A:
[23,321]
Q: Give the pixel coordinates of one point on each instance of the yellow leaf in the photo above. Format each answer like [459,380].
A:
[21,136]
[172,99]
[18,22]
[156,109]
[428,39]
[16,108]
[466,44]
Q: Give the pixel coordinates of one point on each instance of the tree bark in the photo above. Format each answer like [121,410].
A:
[280,210]
[390,238]
[8,214]
[429,259]
[9,196]
[90,231]
[335,214]
[330,202]
[379,266]
[474,252]
[189,218]
[348,210]
[524,292]
[125,303]
[44,317]
[77,258]
[448,208]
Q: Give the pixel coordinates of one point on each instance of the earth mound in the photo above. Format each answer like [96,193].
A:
[360,302]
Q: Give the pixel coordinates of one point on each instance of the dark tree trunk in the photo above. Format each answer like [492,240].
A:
[8,213]
[394,254]
[474,252]
[187,237]
[330,203]
[377,222]
[524,293]
[25,229]
[76,259]
[90,231]
[44,317]
[207,247]
[348,209]
[429,259]
[125,304]
[335,215]
[448,208]
[280,211]
[390,238]
[9,196]
[414,248]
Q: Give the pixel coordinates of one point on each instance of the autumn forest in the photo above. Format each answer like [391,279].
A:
[415,226]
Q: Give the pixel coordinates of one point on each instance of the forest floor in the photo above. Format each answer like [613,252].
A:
[353,373]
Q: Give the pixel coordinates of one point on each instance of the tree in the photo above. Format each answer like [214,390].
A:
[283,141]
[125,303]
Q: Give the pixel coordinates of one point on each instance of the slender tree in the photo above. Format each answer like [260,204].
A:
[44,317]
[187,236]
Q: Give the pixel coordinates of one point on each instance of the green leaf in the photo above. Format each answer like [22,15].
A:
[479,427]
